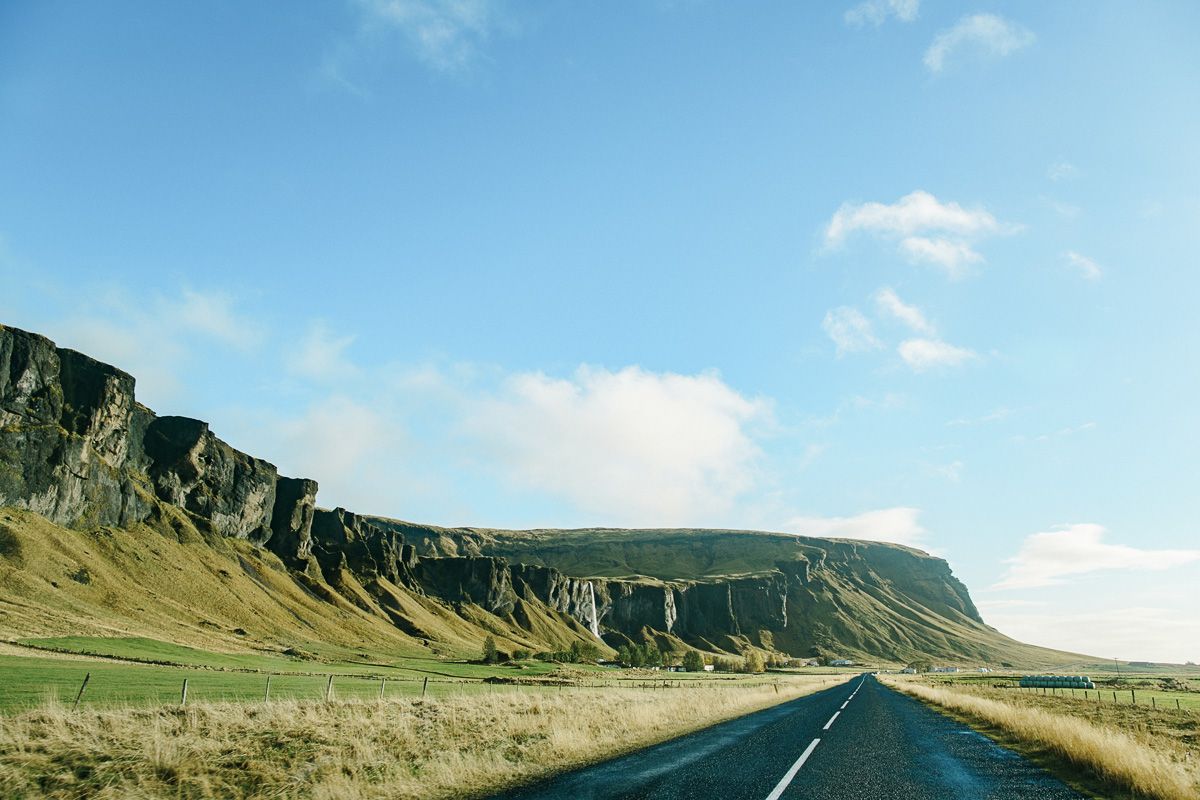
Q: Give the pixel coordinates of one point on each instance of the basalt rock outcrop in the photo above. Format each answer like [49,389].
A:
[342,540]
[77,448]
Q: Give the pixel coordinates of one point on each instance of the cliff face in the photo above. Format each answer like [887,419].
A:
[76,448]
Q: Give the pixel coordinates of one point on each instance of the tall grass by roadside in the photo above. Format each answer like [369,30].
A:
[1127,761]
[458,746]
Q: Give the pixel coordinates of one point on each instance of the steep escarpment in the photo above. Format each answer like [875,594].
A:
[78,450]
[729,589]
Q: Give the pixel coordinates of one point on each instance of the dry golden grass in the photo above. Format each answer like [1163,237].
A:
[461,746]
[1131,762]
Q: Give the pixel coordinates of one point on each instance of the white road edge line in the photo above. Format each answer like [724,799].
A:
[831,719]
[844,705]
[791,773]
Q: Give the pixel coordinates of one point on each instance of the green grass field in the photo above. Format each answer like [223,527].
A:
[29,678]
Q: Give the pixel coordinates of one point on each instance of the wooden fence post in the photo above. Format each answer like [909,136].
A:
[82,686]
[183,693]
[425,687]
[267,691]
[1133,694]
[329,689]
[1177,704]
[382,685]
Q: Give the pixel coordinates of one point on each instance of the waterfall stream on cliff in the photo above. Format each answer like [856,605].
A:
[595,626]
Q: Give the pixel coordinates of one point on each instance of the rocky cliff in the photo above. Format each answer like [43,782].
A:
[77,448]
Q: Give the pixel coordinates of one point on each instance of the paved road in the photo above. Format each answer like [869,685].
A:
[858,741]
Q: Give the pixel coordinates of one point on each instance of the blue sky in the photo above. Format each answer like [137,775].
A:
[916,271]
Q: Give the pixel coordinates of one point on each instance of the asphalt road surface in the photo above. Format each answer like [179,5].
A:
[857,741]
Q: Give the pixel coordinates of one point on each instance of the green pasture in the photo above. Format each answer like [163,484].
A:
[27,682]
[33,679]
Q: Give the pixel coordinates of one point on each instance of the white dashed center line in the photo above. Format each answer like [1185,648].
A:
[829,724]
[791,773]
[844,705]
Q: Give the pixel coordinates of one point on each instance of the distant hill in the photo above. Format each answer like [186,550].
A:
[123,522]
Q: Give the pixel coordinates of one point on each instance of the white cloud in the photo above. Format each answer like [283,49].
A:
[915,212]
[1085,266]
[889,303]
[850,330]
[985,34]
[897,525]
[444,34]
[926,354]
[950,255]
[321,355]
[637,446]
[1049,557]
[926,230]
[876,12]
[212,314]
[1061,171]
[999,415]
[355,447]
[333,437]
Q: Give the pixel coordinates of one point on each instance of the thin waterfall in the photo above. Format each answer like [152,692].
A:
[595,626]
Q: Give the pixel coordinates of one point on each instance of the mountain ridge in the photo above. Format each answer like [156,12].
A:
[78,450]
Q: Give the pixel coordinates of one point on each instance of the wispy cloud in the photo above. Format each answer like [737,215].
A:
[952,472]
[152,337]
[1050,557]
[925,229]
[1069,430]
[984,34]
[890,304]
[876,12]
[1083,265]
[850,331]
[444,34]
[321,355]
[999,415]
[899,525]
[1061,171]
[926,354]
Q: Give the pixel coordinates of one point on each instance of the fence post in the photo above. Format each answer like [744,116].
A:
[1114,697]
[1177,704]
[329,689]
[425,686]
[1152,703]
[267,691]
[1133,694]
[382,684]
[183,693]
[82,686]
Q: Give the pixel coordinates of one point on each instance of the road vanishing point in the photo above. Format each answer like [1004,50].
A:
[857,741]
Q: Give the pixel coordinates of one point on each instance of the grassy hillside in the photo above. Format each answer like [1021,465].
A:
[169,583]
